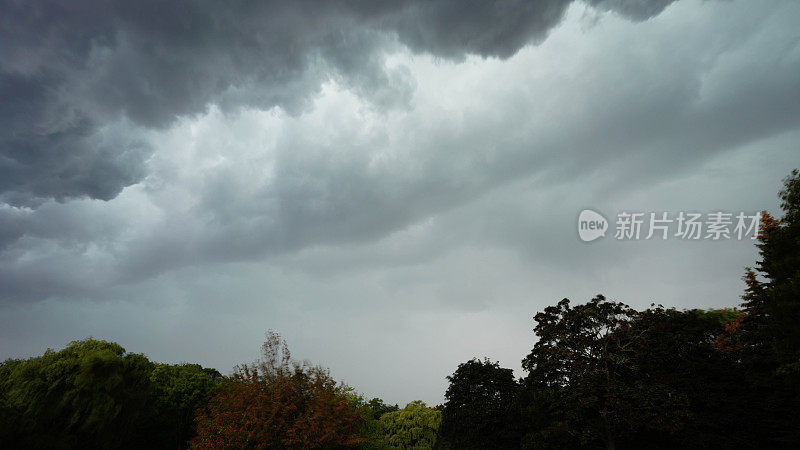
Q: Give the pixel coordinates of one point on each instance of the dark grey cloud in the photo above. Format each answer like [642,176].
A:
[70,69]
[645,117]
[452,28]
[634,9]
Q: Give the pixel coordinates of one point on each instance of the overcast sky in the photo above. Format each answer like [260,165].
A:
[394,187]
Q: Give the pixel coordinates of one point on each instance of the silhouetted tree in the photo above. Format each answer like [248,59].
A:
[770,331]
[604,374]
[480,410]
[585,355]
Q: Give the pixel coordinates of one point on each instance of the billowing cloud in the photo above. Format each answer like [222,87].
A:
[634,9]
[69,71]
[340,171]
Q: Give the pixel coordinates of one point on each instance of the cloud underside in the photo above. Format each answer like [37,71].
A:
[246,133]
[68,70]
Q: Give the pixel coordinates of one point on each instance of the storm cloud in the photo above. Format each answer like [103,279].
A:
[70,72]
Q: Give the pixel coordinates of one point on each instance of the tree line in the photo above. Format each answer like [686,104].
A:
[600,375]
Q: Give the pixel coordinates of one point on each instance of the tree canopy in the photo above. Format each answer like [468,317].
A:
[95,394]
[479,409]
[413,427]
[278,403]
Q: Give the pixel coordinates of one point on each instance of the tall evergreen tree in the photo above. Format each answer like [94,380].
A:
[771,329]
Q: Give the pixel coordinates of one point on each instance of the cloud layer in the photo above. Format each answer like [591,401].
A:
[71,74]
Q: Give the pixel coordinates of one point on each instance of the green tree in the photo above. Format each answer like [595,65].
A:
[480,410]
[770,331]
[10,413]
[92,394]
[180,390]
[773,305]
[681,354]
[371,412]
[604,374]
[413,427]
[378,408]
[584,354]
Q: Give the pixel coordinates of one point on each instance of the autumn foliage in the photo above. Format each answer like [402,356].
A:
[730,339]
[275,403]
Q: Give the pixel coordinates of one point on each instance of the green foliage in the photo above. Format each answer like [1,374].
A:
[480,410]
[93,394]
[718,315]
[377,408]
[10,413]
[180,390]
[582,360]
[775,303]
[413,427]
[770,332]
[580,342]
[370,412]
[790,198]
[603,374]
[680,355]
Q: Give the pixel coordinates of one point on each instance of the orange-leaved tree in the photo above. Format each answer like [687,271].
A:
[278,403]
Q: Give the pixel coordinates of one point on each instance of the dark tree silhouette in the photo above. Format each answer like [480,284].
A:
[480,410]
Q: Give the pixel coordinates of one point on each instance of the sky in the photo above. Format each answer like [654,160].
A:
[394,187]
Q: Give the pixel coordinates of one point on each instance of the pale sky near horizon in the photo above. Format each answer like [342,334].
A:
[392,186]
